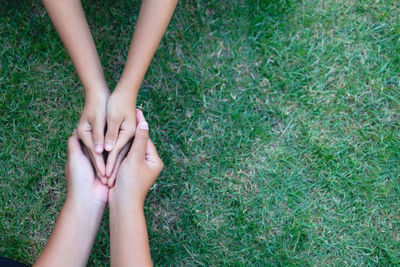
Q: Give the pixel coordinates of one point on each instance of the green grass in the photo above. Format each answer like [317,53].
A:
[278,123]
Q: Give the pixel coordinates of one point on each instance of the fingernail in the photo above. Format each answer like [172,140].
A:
[143,125]
[109,146]
[98,148]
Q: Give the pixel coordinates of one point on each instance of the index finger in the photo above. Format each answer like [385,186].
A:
[97,159]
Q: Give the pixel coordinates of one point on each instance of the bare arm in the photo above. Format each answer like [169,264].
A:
[129,241]
[128,232]
[70,22]
[73,235]
[152,22]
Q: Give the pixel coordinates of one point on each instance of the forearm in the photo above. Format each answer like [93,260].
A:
[153,20]
[73,235]
[70,22]
[128,237]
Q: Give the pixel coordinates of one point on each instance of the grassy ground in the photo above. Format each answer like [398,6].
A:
[278,122]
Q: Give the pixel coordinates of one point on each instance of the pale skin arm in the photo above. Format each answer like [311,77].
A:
[152,22]
[73,235]
[70,22]
[154,17]
[129,241]
[128,232]
[75,230]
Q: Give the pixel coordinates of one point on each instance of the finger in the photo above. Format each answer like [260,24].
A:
[138,149]
[87,155]
[103,180]
[151,149]
[112,134]
[97,159]
[123,139]
[151,153]
[120,158]
[139,116]
[98,136]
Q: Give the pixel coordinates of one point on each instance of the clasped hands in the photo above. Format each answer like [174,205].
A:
[107,124]
[75,230]
[138,166]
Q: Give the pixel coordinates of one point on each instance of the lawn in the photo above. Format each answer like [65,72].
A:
[278,123]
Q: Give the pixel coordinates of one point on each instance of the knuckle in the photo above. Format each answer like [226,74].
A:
[142,134]
[98,136]
[124,137]
[112,129]
[111,137]
[79,128]
[113,118]
[98,127]
[130,129]
[97,140]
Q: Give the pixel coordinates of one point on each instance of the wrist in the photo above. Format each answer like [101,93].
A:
[129,90]
[126,204]
[119,211]
[96,101]
[96,92]
[85,205]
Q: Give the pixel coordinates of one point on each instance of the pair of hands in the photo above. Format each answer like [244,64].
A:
[134,177]
[117,111]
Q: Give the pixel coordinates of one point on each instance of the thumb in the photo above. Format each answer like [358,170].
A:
[138,149]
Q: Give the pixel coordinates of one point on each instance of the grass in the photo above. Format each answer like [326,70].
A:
[278,123]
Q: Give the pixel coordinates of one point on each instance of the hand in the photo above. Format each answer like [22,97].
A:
[139,170]
[75,230]
[121,125]
[91,130]
[83,185]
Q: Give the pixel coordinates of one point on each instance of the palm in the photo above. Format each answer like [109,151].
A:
[86,183]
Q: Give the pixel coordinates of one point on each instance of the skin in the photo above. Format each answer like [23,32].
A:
[70,22]
[118,109]
[75,230]
[137,173]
